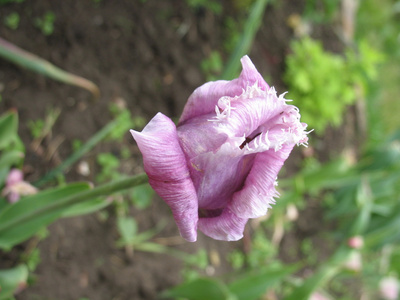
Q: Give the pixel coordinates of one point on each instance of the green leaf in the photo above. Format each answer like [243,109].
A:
[246,40]
[8,128]
[92,142]
[10,158]
[254,284]
[86,207]
[142,196]
[127,228]
[200,289]
[10,280]
[32,62]
[322,276]
[21,220]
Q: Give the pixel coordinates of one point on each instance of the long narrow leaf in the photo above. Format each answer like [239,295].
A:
[244,46]
[34,63]
[200,289]
[322,276]
[10,279]
[22,219]
[8,128]
[89,145]
[253,285]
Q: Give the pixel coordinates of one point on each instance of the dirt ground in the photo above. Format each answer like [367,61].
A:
[147,53]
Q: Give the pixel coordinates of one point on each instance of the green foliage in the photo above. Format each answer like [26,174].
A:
[324,84]
[262,252]
[46,23]
[109,165]
[320,82]
[11,280]
[232,28]
[236,259]
[378,24]
[212,66]
[36,128]
[212,5]
[125,122]
[12,20]
[32,259]
[25,218]
[11,147]
[142,196]
[249,286]
[243,47]
[321,11]
[127,228]
[200,289]
[131,239]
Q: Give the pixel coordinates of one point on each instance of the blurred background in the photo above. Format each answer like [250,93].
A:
[334,232]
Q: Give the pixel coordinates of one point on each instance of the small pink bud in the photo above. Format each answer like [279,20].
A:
[355,242]
[16,187]
[14,177]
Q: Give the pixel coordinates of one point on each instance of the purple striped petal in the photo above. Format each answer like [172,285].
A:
[165,164]
[227,226]
[258,193]
[205,98]
[250,75]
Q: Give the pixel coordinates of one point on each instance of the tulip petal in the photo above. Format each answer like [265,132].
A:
[205,98]
[165,164]
[225,227]
[250,110]
[259,190]
[250,75]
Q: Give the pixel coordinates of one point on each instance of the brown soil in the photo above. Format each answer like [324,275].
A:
[147,53]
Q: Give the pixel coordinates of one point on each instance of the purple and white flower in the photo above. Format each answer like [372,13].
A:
[218,167]
[16,186]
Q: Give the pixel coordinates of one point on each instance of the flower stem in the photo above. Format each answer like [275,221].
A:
[103,190]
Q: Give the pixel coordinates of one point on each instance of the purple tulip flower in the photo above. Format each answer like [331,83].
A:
[219,166]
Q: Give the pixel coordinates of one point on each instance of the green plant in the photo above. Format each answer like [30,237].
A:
[249,285]
[12,20]
[321,11]
[212,5]
[46,23]
[36,128]
[12,280]
[109,165]
[132,240]
[11,147]
[321,83]
[125,122]
[212,65]
[194,265]
[141,196]
[32,62]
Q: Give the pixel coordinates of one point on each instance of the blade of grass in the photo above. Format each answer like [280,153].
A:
[61,203]
[32,62]
[251,27]
[93,141]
